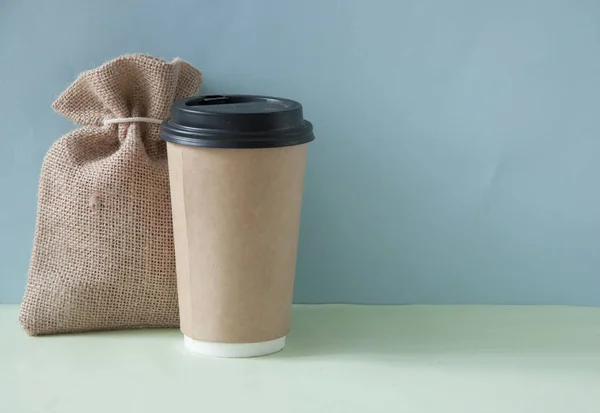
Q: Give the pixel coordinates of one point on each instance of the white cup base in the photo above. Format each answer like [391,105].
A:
[234,350]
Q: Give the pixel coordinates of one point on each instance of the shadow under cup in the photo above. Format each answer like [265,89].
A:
[236,167]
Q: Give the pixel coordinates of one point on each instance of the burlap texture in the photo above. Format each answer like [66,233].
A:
[103,254]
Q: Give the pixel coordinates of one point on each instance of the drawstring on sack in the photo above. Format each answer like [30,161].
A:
[134,119]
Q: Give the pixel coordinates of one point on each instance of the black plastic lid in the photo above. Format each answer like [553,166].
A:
[236,121]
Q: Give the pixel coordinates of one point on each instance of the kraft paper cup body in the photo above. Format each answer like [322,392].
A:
[236,170]
[236,217]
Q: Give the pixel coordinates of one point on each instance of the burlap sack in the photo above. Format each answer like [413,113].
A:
[103,250]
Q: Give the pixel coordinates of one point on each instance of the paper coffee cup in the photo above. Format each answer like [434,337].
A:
[236,166]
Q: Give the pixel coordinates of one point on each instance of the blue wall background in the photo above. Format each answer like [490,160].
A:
[458,151]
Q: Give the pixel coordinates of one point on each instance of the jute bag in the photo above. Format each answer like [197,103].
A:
[103,253]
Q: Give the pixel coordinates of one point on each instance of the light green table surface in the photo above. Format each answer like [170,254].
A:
[338,359]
